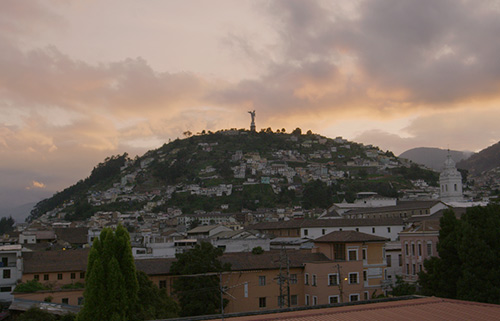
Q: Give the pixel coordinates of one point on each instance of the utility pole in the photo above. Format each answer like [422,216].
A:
[284,278]
[340,284]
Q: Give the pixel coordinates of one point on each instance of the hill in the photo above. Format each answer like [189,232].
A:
[233,170]
[433,157]
[484,161]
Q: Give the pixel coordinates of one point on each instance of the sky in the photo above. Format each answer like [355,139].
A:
[84,80]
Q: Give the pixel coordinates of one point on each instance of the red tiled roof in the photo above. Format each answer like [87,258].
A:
[349,236]
[55,261]
[428,309]
[341,222]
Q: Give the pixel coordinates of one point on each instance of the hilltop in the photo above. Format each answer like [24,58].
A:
[433,157]
[232,170]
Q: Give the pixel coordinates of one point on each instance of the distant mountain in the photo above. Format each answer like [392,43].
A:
[18,213]
[235,170]
[433,157]
[485,160]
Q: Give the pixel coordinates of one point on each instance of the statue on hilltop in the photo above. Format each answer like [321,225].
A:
[252,124]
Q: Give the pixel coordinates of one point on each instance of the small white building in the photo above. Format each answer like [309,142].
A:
[11,267]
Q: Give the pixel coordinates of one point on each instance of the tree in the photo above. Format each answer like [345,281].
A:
[111,285]
[198,294]
[317,194]
[297,131]
[403,288]
[6,224]
[154,303]
[469,260]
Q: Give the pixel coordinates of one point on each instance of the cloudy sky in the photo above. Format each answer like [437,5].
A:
[83,80]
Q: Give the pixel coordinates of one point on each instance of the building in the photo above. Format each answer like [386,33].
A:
[450,182]
[313,229]
[10,270]
[418,242]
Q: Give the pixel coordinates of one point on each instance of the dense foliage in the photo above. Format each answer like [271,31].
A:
[111,287]
[198,294]
[154,303]
[103,172]
[469,261]
[6,224]
[30,286]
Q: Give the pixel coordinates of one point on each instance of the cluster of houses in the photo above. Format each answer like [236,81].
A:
[281,258]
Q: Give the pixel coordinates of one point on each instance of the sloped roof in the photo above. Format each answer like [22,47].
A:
[348,237]
[429,309]
[55,261]
[270,259]
[72,235]
[243,261]
[343,222]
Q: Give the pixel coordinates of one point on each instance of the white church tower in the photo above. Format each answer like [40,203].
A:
[450,182]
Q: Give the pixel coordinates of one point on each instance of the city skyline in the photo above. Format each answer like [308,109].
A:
[84,81]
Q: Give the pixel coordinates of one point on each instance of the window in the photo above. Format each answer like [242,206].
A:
[315,300]
[419,249]
[293,278]
[412,248]
[364,254]
[400,260]
[353,297]
[333,299]
[73,276]
[262,280]
[406,249]
[353,278]
[420,268]
[429,249]
[294,300]
[364,276]
[352,255]
[388,230]
[306,232]
[373,230]
[366,296]
[65,301]
[455,187]
[59,276]
[414,270]
[80,300]
[357,229]
[306,279]
[339,250]
[314,280]
[407,268]
[6,274]
[82,275]
[5,261]
[45,277]
[262,302]
[333,279]
[162,284]
[36,277]
[5,289]
[388,259]
[323,231]
[307,299]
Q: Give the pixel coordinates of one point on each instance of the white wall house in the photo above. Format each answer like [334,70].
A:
[11,268]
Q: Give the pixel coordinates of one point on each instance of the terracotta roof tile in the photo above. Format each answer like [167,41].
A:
[349,236]
[55,261]
[428,309]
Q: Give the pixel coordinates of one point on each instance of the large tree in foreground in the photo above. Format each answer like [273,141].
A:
[469,258]
[198,293]
[111,285]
